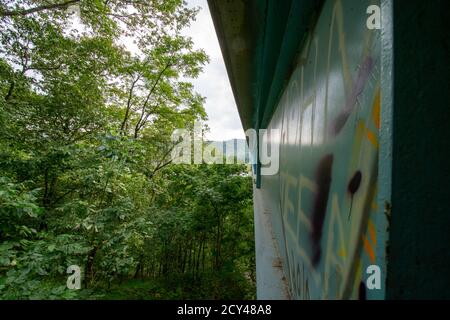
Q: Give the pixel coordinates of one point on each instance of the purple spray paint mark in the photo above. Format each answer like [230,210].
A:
[353,187]
[351,101]
[362,295]
[323,180]
[354,183]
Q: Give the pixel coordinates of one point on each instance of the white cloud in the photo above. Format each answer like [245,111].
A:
[213,83]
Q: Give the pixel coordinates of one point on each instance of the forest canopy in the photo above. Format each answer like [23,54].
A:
[90,93]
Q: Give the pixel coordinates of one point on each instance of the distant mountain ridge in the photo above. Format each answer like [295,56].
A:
[236,147]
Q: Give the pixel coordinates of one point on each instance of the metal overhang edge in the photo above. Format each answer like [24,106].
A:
[260,42]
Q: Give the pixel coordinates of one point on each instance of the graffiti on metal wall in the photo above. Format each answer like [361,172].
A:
[329,224]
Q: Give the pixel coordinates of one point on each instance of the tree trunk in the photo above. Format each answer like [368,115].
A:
[89,270]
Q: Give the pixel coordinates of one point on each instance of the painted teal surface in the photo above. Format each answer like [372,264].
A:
[325,211]
[282,27]
[399,215]
[293,24]
[278,28]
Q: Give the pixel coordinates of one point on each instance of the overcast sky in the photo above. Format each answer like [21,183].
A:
[213,83]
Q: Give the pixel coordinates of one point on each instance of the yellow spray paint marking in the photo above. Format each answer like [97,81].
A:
[369,250]
[372,138]
[372,233]
[374,206]
[358,275]
[342,253]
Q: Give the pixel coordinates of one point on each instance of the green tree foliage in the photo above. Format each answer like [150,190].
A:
[85,169]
